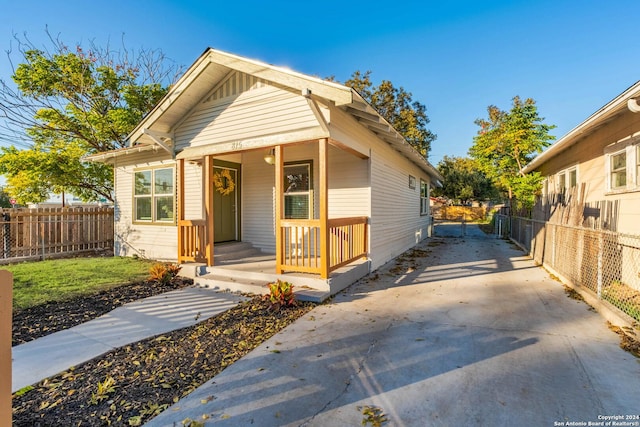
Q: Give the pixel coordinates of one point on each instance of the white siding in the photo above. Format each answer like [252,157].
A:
[148,241]
[246,112]
[395,221]
[258,180]
[349,187]
[193,191]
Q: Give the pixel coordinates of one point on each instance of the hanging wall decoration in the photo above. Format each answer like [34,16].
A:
[224,182]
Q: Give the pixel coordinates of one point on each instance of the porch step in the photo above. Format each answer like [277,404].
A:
[242,284]
[224,252]
[262,272]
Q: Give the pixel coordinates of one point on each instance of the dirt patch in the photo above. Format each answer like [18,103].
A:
[132,384]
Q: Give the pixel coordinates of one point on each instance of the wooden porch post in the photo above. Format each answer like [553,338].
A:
[323,149]
[208,208]
[279,152]
[180,212]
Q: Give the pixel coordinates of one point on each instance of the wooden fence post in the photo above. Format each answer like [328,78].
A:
[6,301]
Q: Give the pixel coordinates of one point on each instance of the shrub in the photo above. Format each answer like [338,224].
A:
[280,294]
[163,272]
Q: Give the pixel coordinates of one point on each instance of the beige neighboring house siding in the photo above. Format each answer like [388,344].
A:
[251,110]
[589,156]
[148,241]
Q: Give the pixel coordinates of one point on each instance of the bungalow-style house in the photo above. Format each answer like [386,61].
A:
[598,165]
[253,172]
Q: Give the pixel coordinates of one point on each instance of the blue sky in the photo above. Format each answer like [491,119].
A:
[455,57]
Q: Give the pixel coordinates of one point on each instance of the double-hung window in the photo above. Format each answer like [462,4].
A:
[622,165]
[424,198]
[618,170]
[153,195]
[298,190]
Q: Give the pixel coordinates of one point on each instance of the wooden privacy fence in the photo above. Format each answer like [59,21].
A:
[458,213]
[54,232]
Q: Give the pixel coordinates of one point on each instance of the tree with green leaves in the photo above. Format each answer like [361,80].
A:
[67,103]
[506,142]
[464,181]
[396,105]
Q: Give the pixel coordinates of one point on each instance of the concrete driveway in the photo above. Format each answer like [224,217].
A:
[469,333]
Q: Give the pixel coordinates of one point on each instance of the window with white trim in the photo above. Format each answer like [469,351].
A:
[154,195]
[566,179]
[638,165]
[424,198]
[618,174]
[622,165]
[298,190]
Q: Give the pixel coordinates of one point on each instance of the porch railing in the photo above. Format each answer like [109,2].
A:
[191,245]
[301,243]
[300,247]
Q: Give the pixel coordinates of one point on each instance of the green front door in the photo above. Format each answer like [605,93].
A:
[226,202]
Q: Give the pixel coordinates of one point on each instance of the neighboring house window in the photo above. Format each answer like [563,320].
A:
[622,165]
[619,170]
[298,190]
[424,198]
[638,165]
[562,182]
[153,195]
[573,177]
[566,179]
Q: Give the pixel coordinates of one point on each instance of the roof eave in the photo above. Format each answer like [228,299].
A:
[613,107]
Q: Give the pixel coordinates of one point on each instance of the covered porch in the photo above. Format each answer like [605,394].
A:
[320,253]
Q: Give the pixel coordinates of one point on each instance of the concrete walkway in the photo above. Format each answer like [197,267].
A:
[473,333]
[49,355]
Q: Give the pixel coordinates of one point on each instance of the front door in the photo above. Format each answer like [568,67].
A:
[226,201]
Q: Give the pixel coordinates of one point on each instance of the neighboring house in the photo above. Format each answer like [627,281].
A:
[597,165]
[299,167]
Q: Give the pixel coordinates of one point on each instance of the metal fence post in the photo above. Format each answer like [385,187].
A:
[6,301]
[600,262]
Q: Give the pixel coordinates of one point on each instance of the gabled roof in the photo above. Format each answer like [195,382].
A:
[613,108]
[213,65]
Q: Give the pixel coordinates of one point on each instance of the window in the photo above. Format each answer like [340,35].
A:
[153,195]
[424,198]
[638,165]
[622,165]
[298,190]
[562,182]
[566,179]
[619,170]
[573,177]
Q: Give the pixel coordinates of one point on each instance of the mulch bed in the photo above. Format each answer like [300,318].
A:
[132,384]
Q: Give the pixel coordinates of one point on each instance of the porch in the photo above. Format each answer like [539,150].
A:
[318,254]
[241,268]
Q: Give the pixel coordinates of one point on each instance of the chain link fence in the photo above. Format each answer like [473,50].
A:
[31,234]
[604,262]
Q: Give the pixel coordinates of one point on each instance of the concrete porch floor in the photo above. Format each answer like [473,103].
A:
[238,267]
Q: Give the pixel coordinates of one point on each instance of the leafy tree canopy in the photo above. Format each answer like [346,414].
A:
[464,180]
[396,105]
[506,142]
[68,103]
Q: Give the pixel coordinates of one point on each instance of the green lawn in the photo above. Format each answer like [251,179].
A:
[55,280]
